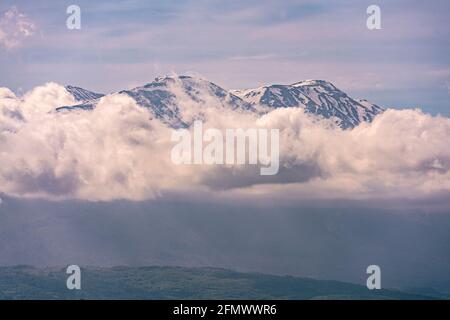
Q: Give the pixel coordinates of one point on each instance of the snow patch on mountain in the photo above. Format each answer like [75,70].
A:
[81,94]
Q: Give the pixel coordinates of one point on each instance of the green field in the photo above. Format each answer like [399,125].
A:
[23,282]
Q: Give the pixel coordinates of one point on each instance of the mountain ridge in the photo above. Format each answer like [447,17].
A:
[162,97]
[81,94]
[164,282]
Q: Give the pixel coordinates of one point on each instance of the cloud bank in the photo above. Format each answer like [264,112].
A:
[118,151]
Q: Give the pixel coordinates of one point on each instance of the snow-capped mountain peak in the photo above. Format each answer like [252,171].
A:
[317,97]
[163,98]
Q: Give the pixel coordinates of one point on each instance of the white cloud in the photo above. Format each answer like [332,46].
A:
[15,27]
[117,152]
[43,99]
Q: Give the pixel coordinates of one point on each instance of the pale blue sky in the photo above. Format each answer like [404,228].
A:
[240,44]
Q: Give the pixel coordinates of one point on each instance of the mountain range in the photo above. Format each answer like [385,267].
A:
[166,96]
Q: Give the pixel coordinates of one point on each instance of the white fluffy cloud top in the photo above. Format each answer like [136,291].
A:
[119,151]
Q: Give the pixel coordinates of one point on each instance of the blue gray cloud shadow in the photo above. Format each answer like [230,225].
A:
[327,241]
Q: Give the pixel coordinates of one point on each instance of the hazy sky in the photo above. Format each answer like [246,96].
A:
[235,44]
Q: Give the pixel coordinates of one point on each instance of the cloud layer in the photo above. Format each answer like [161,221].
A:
[117,151]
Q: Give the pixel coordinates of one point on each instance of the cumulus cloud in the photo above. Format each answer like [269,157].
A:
[120,151]
[15,27]
[402,153]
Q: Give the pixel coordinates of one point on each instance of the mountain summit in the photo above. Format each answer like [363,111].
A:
[317,97]
[166,97]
